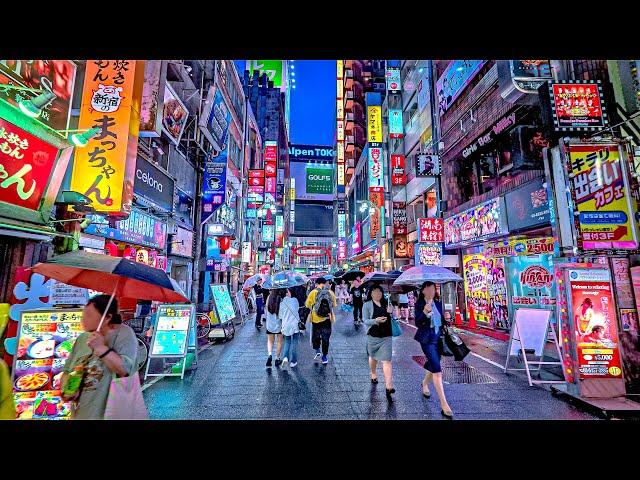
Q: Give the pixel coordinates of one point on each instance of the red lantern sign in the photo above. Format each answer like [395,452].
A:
[130,254]
[111,248]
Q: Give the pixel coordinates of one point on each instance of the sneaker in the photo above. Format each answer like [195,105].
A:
[278,362]
[294,364]
[317,355]
[269,361]
[285,360]
[325,360]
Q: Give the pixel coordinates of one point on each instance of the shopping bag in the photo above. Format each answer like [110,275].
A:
[396,329]
[125,400]
[455,344]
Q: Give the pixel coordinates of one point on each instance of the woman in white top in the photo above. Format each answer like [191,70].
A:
[274,326]
[289,317]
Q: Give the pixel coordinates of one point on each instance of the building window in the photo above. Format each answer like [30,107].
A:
[590,69]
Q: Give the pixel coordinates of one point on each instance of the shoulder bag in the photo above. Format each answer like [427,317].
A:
[125,401]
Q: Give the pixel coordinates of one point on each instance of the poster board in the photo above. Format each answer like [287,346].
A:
[63,294]
[174,336]
[45,340]
[532,327]
[531,330]
[170,337]
[223,303]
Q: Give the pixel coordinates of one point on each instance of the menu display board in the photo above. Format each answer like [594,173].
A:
[172,330]
[224,306]
[475,287]
[45,341]
[595,326]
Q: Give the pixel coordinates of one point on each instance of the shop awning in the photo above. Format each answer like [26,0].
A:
[32,231]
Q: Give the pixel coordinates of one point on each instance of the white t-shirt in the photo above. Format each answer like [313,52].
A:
[289,315]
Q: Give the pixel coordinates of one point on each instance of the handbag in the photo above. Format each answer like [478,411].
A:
[454,343]
[396,330]
[125,400]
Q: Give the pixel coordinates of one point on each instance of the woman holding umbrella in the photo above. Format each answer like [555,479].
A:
[377,316]
[105,350]
[429,315]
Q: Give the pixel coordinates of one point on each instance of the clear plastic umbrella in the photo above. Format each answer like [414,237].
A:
[283,280]
[415,276]
[251,281]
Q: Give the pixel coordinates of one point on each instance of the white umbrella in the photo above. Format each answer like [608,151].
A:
[416,276]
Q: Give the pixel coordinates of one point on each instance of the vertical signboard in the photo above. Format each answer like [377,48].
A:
[476,288]
[399,218]
[374,124]
[393,80]
[376,167]
[601,195]
[594,311]
[396,129]
[100,169]
[398,177]
[152,106]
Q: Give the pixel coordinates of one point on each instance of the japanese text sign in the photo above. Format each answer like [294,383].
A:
[398,177]
[395,124]
[600,192]
[399,218]
[393,80]
[376,167]
[374,124]
[26,163]
[431,230]
[100,168]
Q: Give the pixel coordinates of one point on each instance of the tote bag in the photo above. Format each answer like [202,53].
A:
[125,400]
[396,330]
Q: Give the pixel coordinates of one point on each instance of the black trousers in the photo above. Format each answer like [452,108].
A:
[357,311]
[320,334]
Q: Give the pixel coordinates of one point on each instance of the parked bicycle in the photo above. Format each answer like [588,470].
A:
[203,325]
[140,326]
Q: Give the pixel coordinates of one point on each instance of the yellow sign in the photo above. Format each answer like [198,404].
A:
[339,89]
[340,109]
[341,179]
[374,124]
[340,68]
[340,149]
[100,168]
[601,194]
[340,131]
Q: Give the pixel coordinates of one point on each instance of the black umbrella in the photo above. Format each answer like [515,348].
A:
[351,275]
[338,273]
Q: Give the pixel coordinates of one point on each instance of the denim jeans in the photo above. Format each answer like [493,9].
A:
[290,348]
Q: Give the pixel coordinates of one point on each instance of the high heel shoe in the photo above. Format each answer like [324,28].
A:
[389,391]
[448,414]
[374,380]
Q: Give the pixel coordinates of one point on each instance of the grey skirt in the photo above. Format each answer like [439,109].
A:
[380,348]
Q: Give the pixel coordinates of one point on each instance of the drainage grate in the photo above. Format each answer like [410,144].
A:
[458,372]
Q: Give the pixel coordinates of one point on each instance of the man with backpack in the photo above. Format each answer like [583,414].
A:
[321,301]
